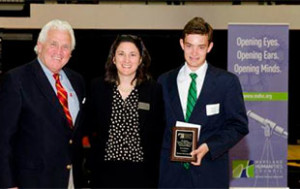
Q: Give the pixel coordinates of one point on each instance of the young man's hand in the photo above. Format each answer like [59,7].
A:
[200,153]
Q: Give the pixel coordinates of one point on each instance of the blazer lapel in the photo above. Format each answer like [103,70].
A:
[199,113]
[105,93]
[174,95]
[45,86]
[75,85]
[144,97]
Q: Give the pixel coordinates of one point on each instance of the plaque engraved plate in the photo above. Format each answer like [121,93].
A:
[184,141]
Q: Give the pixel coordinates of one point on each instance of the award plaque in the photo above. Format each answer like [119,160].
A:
[184,141]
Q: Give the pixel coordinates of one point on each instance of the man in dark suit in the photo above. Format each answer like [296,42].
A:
[40,105]
[218,107]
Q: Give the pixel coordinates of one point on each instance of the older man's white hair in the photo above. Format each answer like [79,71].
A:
[57,25]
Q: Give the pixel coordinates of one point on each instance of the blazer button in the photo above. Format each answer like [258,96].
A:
[70,141]
[69,167]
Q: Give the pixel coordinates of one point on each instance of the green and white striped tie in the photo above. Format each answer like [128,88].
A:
[191,101]
[192,97]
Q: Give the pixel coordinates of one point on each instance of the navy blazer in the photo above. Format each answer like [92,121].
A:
[220,131]
[151,122]
[36,143]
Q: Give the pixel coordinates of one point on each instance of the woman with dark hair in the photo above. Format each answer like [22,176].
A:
[125,119]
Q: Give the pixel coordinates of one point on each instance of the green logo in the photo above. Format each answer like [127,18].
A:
[242,169]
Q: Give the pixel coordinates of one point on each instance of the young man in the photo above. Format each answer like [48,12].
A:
[217,106]
[40,105]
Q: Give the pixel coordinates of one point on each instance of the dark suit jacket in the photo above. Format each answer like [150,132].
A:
[220,131]
[151,127]
[35,146]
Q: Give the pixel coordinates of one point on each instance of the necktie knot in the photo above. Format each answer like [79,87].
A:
[56,77]
[193,76]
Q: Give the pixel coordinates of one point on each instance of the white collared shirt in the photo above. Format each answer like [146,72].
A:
[184,80]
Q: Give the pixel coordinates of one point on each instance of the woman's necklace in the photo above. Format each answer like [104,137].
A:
[125,90]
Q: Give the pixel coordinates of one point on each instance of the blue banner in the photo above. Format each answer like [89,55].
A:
[258,55]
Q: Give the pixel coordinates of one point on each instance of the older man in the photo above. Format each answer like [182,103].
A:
[40,105]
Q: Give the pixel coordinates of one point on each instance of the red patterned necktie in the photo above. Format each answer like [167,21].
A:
[62,96]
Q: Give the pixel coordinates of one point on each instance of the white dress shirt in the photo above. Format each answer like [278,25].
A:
[184,80]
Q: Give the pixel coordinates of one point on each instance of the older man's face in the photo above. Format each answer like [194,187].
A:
[55,52]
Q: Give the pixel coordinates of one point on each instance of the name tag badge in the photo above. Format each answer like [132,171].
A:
[144,106]
[212,109]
